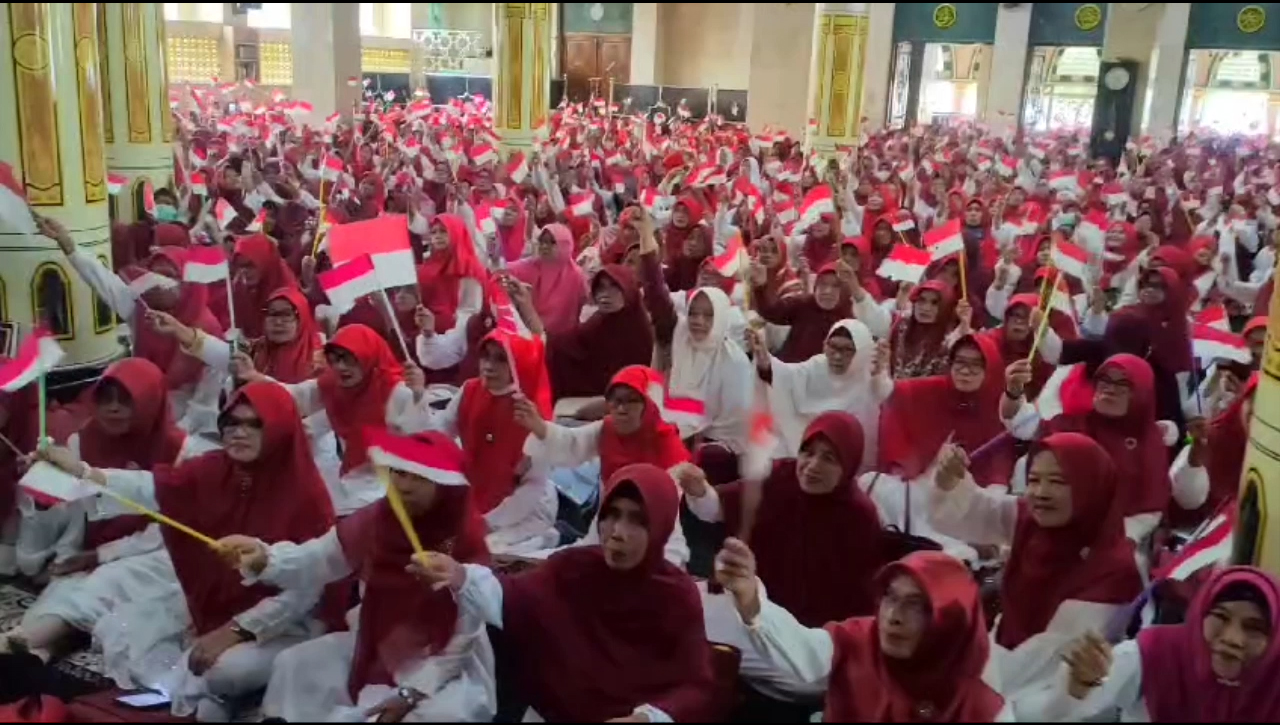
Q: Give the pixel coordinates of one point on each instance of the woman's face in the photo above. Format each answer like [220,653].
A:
[882,237]
[701,317]
[973,214]
[818,466]
[695,245]
[345,366]
[1151,291]
[418,493]
[1115,237]
[968,368]
[926,307]
[1043,254]
[495,372]
[680,216]
[113,408]
[406,298]
[439,238]
[821,229]
[608,295]
[840,351]
[903,617]
[244,272]
[281,326]
[1112,393]
[1048,494]
[875,201]
[624,533]
[547,247]
[767,253]
[1016,199]
[826,291]
[230,178]
[626,408]
[939,188]
[1204,256]
[1237,634]
[849,255]
[242,433]
[1017,323]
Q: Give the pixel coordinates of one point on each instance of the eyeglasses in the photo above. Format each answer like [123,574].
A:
[626,401]
[968,365]
[233,422]
[1116,384]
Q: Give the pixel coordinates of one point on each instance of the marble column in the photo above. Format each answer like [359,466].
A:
[836,76]
[52,134]
[326,55]
[138,122]
[522,73]
[1165,85]
[1008,68]
[878,82]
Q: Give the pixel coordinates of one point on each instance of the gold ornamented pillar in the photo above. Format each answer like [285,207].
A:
[522,78]
[139,126]
[51,133]
[836,76]
[1257,532]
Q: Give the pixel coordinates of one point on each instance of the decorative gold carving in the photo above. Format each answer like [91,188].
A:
[104,73]
[849,34]
[275,61]
[195,59]
[509,115]
[385,60]
[162,43]
[88,88]
[824,39]
[37,103]
[541,64]
[136,87]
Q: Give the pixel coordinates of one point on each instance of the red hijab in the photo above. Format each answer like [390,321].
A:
[1178,682]
[440,277]
[582,361]
[1134,442]
[673,237]
[942,681]
[278,497]
[486,424]
[593,643]
[400,619]
[512,238]
[192,310]
[352,410]
[816,553]
[820,251]
[1167,321]
[917,343]
[293,361]
[1228,443]
[1088,560]
[273,274]
[657,442]
[153,439]
[922,413]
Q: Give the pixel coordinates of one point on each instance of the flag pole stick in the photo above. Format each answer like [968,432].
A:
[402,513]
[44,413]
[391,312]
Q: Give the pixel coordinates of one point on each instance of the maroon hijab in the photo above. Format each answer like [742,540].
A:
[593,643]
[583,360]
[816,553]
[1089,559]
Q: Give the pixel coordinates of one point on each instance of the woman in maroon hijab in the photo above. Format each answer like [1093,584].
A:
[815,533]
[836,296]
[918,658]
[602,632]
[1220,666]
[918,339]
[259,273]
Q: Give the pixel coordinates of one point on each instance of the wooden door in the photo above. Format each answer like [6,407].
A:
[614,59]
[580,59]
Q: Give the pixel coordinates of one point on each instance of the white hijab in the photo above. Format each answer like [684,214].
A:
[802,391]
[714,370]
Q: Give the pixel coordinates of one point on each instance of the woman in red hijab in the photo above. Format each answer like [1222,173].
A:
[820,242]
[605,631]
[371,197]
[451,281]
[919,339]
[510,490]
[918,657]
[681,272]
[261,483]
[559,287]
[811,315]
[961,406]
[686,215]
[131,428]
[815,533]
[1017,335]
[385,663]
[1214,460]
[781,280]
[1219,666]
[1071,568]
[259,271]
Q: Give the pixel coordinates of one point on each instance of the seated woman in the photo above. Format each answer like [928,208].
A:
[363,387]
[259,271]
[1070,569]
[850,376]
[559,287]
[262,483]
[918,658]
[411,655]
[632,432]
[511,490]
[1015,338]
[451,287]
[1220,666]
[920,339]
[610,631]
[103,556]
[836,295]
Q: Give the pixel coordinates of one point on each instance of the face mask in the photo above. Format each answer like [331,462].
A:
[883,175]
[1064,219]
[166,213]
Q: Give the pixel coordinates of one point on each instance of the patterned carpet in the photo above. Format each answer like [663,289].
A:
[75,675]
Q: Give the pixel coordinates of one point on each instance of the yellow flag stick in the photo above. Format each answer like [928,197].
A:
[964,282]
[161,518]
[397,506]
[1046,305]
[315,243]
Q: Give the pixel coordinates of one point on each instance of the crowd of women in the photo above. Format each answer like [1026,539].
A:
[976,477]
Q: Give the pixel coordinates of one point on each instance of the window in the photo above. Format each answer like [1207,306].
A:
[104,318]
[272,15]
[51,297]
[368,19]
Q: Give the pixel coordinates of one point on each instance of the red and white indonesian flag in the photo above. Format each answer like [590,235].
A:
[785,212]
[904,221]
[37,356]
[411,147]
[518,168]
[1209,547]
[1007,166]
[116,182]
[505,316]
[484,218]
[687,414]
[347,283]
[1070,259]
[483,154]
[385,239]
[197,184]
[224,213]
[332,120]
[708,175]
[817,202]
[1092,232]
[331,168]
[945,240]
[1115,194]
[729,262]
[14,214]
[757,462]
[1214,315]
[1210,343]
[258,222]
[441,465]
[1064,181]
[205,265]
[652,200]
[582,204]
[905,263]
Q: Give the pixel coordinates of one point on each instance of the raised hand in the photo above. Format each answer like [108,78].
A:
[244,553]
[735,570]
[953,466]
[1089,660]
[528,417]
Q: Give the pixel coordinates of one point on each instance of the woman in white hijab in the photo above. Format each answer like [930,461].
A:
[708,365]
[849,376]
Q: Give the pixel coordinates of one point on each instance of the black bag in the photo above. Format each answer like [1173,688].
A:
[896,543]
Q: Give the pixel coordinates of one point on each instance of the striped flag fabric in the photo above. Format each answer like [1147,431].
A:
[441,465]
[347,283]
[39,354]
[205,265]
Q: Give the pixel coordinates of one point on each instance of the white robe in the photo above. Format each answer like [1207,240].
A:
[715,371]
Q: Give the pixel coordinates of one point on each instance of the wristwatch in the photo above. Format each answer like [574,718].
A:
[244,634]
[409,695]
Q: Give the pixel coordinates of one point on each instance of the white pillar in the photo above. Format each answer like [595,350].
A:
[836,75]
[781,53]
[1131,35]
[646,42]
[878,75]
[326,53]
[1008,67]
[1164,85]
